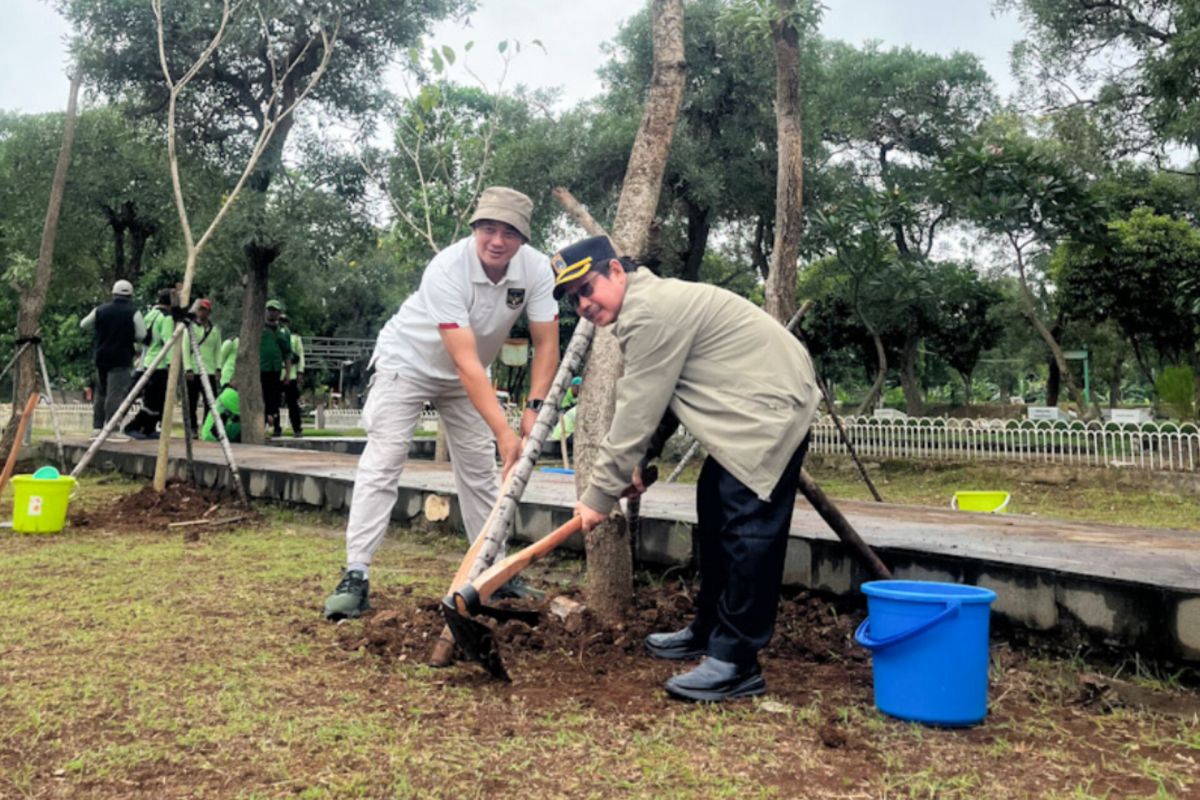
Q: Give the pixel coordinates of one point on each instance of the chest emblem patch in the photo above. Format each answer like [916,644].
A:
[515,298]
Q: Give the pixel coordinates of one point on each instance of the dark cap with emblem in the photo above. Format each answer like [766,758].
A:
[575,260]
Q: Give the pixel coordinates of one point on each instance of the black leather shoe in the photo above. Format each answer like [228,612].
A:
[715,680]
[676,646]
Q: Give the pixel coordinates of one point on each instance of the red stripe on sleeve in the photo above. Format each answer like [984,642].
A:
[446,326]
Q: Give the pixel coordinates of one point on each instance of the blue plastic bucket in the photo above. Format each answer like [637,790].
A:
[929,647]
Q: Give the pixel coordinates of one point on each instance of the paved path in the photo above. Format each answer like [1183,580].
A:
[1147,556]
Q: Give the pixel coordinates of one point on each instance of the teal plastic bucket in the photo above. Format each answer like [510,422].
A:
[929,648]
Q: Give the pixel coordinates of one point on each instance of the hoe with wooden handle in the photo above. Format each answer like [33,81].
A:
[462,604]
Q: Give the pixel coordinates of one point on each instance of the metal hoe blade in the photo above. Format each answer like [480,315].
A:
[475,639]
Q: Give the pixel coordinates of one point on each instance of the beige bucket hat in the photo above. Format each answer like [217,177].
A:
[505,205]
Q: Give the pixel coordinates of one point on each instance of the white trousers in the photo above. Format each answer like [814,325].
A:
[391,413]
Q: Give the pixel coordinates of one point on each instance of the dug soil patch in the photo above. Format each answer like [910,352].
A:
[603,667]
[148,510]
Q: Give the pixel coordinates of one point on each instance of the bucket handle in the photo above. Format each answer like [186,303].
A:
[863,634]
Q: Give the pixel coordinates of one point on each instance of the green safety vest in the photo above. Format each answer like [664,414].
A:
[210,349]
[228,359]
[161,326]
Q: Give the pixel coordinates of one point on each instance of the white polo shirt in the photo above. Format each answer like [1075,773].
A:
[456,293]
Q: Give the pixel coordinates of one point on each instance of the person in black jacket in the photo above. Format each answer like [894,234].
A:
[117,325]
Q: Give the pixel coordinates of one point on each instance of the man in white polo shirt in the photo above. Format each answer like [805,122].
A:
[438,348]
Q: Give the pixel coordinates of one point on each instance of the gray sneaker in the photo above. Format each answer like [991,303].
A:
[517,589]
[349,599]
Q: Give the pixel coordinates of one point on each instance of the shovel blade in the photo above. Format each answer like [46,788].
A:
[475,639]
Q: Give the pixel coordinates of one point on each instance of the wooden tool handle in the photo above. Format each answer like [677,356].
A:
[464,569]
[500,572]
[11,463]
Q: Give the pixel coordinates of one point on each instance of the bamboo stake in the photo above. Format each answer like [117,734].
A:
[485,548]
[116,418]
[794,326]
[218,423]
[13,360]
[58,442]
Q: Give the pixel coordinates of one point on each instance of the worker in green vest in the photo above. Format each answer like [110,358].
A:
[274,353]
[230,408]
[293,379]
[208,339]
[145,424]
[228,375]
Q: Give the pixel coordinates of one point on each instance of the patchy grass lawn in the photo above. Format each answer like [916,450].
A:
[133,664]
[1086,495]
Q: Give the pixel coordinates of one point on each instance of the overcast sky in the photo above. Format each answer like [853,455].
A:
[33,58]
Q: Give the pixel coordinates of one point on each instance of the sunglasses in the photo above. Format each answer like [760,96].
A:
[584,291]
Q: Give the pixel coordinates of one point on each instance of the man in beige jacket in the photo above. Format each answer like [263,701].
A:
[745,388]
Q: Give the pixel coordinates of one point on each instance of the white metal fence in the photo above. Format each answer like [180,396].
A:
[1164,446]
[77,417]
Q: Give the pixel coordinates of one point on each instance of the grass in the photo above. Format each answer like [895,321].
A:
[135,665]
[1085,495]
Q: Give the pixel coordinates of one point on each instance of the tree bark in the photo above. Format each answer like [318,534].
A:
[789,184]
[914,403]
[1048,337]
[33,300]
[967,393]
[609,584]
[699,224]
[254,301]
[1053,381]
[758,251]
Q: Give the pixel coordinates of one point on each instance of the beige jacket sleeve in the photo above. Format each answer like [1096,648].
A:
[655,353]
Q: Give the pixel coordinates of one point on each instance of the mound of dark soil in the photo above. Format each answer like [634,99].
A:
[604,665]
[148,510]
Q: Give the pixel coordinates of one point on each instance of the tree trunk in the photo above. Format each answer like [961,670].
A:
[1053,381]
[1139,356]
[1114,384]
[967,393]
[914,403]
[1047,337]
[33,300]
[758,251]
[610,585]
[698,227]
[877,386]
[254,301]
[789,183]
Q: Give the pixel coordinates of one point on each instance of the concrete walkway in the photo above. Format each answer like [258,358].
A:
[1136,586]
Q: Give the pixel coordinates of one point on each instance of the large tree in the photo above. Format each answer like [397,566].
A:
[610,571]
[268,54]
[1142,277]
[1131,64]
[33,292]
[962,324]
[1016,190]
[721,170]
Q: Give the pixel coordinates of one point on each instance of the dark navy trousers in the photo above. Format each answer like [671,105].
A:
[742,543]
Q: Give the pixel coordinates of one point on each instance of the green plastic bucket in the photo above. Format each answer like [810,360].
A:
[40,505]
[988,502]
